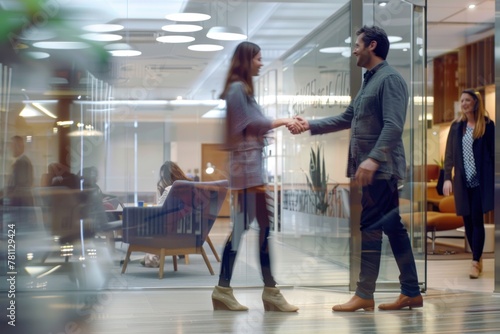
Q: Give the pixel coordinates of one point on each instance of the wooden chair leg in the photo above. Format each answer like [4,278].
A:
[174,259]
[162,263]
[127,258]
[186,259]
[205,257]
[209,241]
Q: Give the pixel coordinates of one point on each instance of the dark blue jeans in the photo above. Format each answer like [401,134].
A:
[380,214]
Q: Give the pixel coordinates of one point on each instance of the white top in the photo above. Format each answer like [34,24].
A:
[163,196]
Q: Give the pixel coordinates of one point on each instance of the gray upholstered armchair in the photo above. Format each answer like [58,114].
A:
[180,226]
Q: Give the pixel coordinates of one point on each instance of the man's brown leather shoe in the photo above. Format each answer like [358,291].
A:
[355,304]
[402,302]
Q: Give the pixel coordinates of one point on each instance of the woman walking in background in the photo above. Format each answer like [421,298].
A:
[246,127]
[470,152]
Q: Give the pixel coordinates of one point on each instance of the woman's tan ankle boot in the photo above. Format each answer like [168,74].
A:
[474,270]
[274,301]
[223,299]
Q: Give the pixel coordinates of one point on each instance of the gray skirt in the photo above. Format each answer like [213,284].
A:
[246,169]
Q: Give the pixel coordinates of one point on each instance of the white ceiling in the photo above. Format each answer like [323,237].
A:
[165,71]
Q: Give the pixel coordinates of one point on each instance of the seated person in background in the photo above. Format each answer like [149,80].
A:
[169,172]
[89,176]
[59,175]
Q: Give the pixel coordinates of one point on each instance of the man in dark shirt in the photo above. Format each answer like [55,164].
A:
[376,162]
[20,182]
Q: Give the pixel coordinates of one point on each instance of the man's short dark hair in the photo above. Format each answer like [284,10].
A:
[378,35]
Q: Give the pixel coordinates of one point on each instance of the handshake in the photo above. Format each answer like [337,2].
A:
[296,125]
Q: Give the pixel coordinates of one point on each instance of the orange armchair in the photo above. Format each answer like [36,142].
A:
[445,219]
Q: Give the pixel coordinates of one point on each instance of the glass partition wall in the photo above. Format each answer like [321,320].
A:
[98,131]
[320,206]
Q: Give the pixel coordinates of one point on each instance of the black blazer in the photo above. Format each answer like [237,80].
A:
[484,158]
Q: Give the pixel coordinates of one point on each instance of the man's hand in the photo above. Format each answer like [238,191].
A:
[298,125]
[365,172]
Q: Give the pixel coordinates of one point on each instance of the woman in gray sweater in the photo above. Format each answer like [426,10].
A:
[246,128]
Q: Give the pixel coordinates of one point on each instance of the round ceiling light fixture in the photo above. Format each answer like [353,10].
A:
[205,47]
[181,27]
[175,39]
[122,50]
[101,37]
[400,46]
[125,53]
[61,45]
[335,49]
[187,17]
[228,33]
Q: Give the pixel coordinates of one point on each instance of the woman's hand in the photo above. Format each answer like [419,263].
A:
[298,125]
[280,122]
[447,188]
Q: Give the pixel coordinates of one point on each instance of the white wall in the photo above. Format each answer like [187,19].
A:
[134,155]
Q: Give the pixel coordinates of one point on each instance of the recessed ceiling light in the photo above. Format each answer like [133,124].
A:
[335,49]
[382,3]
[175,39]
[61,45]
[205,47]
[182,27]
[472,6]
[188,17]
[101,37]
[103,27]
[223,33]
[125,53]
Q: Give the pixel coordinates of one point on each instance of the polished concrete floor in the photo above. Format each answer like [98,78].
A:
[138,302]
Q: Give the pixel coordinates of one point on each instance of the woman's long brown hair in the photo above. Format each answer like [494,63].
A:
[241,67]
[481,116]
[170,172]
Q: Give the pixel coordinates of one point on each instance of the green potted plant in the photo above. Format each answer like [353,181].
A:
[317,180]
